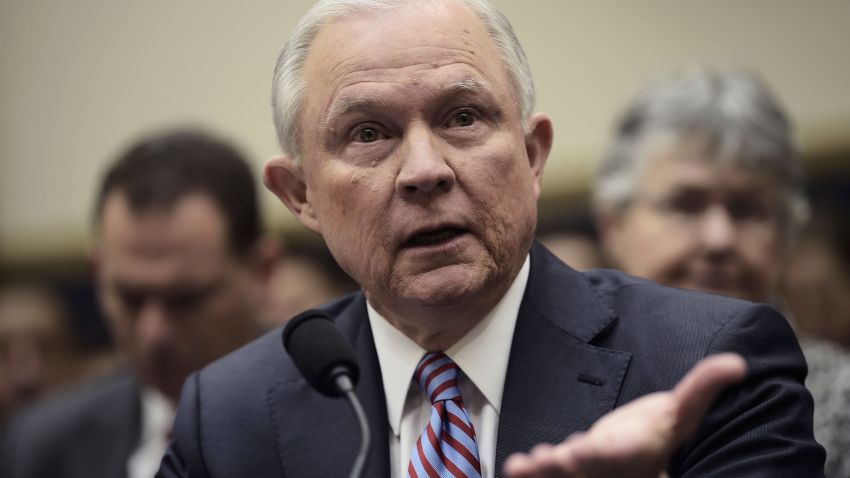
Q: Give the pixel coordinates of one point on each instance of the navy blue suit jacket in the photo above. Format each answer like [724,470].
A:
[87,432]
[584,344]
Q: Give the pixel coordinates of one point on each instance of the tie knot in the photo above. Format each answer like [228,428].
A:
[437,375]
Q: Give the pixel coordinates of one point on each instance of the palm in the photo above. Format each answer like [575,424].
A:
[636,440]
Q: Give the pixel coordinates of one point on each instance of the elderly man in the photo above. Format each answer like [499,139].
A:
[701,189]
[181,268]
[412,147]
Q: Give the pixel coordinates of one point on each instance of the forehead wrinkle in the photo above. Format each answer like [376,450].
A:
[347,103]
[368,64]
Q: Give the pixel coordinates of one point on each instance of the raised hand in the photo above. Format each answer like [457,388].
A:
[637,439]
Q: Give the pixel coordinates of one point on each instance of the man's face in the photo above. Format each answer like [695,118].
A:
[699,225]
[416,169]
[36,349]
[175,296]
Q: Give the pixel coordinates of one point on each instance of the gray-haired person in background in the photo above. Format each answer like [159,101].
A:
[701,188]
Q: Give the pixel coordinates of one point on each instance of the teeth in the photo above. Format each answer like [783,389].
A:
[434,237]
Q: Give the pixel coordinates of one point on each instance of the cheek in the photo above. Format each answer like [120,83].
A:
[764,256]
[354,225]
[118,320]
[487,176]
[233,306]
[648,250]
[347,194]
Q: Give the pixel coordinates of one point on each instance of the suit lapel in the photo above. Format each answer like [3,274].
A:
[319,436]
[557,382]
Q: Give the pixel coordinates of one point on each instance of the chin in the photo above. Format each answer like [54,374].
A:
[445,287]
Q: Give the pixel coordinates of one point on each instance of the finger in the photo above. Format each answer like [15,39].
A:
[697,390]
[543,461]
[531,466]
[518,465]
[526,465]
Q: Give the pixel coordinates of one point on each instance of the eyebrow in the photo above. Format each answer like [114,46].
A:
[347,104]
[470,85]
[201,287]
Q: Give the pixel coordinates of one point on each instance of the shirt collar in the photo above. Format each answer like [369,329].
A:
[157,414]
[482,353]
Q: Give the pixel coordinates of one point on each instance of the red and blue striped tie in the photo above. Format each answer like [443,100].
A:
[446,448]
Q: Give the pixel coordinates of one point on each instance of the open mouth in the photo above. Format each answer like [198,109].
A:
[436,236]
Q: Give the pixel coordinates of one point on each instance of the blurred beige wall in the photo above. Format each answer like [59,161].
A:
[78,80]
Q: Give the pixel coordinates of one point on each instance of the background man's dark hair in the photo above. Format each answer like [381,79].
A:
[159,170]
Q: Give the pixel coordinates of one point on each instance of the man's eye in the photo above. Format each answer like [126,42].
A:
[689,205]
[747,210]
[368,135]
[184,301]
[131,301]
[463,118]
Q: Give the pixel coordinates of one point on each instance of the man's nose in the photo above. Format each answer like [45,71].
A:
[424,169]
[718,229]
[153,324]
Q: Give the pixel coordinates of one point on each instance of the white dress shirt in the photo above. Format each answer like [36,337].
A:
[157,420]
[482,356]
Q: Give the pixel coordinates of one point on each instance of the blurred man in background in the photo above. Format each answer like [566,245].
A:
[701,188]
[38,350]
[181,271]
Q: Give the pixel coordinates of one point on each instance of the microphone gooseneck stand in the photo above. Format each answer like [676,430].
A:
[327,361]
[347,389]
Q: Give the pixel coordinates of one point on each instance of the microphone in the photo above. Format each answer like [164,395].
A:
[327,361]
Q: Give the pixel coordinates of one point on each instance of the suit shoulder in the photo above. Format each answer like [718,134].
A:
[263,360]
[658,320]
[234,397]
[630,296]
[75,405]
[668,330]
[56,425]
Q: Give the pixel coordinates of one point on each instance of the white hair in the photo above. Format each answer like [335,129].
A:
[733,115]
[289,84]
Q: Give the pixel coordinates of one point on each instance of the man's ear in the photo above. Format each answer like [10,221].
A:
[538,143]
[285,179]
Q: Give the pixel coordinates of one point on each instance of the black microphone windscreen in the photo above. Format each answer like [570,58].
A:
[320,351]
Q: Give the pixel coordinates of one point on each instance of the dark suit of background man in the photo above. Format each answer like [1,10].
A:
[411,145]
[180,266]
